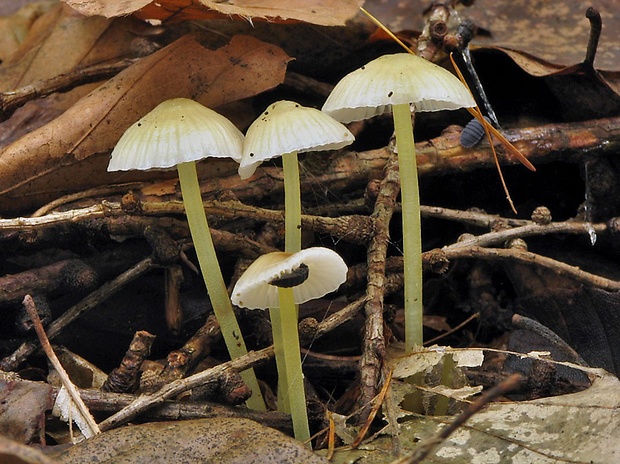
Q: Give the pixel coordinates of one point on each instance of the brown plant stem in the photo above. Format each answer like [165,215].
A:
[374,348]
[93,428]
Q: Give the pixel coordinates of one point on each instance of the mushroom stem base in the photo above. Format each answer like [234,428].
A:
[289,369]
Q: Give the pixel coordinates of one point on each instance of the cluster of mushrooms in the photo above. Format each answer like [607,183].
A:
[180,131]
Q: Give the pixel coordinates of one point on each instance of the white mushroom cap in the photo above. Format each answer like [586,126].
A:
[176,131]
[285,127]
[326,272]
[392,80]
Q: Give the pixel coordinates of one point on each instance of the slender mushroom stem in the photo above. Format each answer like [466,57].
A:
[412,234]
[284,400]
[212,275]
[293,391]
[292,244]
[292,203]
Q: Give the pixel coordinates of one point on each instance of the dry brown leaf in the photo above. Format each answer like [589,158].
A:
[71,152]
[14,28]
[22,409]
[324,12]
[555,32]
[546,40]
[62,40]
[37,113]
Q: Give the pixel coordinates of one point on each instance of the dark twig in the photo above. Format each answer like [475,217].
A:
[180,361]
[596,26]
[177,387]
[10,101]
[126,377]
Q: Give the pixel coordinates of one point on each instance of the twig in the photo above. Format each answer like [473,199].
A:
[373,351]
[61,277]
[89,193]
[474,218]
[533,259]
[352,228]
[180,361]
[10,101]
[529,230]
[454,329]
[106,403]
[126,377]
[64,377]
[173,389]
[373,412]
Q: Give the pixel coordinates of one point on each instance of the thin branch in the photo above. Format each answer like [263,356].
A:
[528,230]
[533,259]
[93,428]
[373,351]
[10,101]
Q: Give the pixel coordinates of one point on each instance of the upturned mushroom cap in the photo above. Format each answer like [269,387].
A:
[174,132]
[326,272]
[285,127]
[395,79]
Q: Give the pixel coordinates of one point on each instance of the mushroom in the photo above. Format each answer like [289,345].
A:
[401,83]
[279,281]
[179,132]
[285,129]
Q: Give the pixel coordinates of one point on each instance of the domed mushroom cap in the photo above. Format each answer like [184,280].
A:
[285,127]
[395,79]
[174,132]
[326,272]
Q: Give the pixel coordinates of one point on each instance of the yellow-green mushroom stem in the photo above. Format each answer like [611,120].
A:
[412,236]
[292,203]
[292,244]
[212,275]
[289,369]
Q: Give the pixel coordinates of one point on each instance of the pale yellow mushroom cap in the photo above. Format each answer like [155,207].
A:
[396,79]
[174,132]
[285,127]
[326,272]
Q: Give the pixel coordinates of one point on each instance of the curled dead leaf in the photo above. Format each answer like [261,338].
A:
[62,40]
[15,27]
[322,12]
[71,152]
